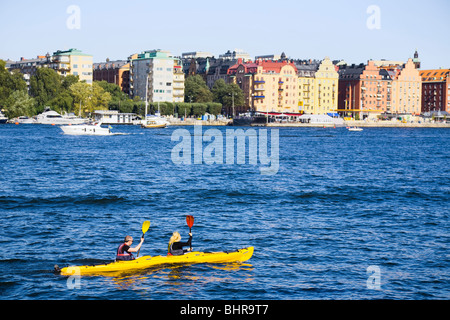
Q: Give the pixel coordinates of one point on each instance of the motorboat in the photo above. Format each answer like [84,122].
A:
[354,129]
[90,129]
[54,118]
[3,118]
[23,120]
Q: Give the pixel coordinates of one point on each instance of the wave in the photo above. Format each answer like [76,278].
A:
[14,202]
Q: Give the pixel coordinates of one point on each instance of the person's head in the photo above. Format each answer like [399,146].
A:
[175,237]
[128,240]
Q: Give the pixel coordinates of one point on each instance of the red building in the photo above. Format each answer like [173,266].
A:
[363,90]
[435,90]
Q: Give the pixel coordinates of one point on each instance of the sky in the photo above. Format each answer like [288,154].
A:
[351,30]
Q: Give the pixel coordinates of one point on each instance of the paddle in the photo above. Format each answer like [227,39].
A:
[145,227]
[190,223]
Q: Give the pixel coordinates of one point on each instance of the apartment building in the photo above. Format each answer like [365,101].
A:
[73,62]
[364,91]
[117,72]
[435,90]
[268,86]
[318,86]
[161,72]
[405,89]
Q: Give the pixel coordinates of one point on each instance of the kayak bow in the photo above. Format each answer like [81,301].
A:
[149,261]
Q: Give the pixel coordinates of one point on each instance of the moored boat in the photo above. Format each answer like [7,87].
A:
[354,129]
[54,118]
[154,122]
[22,120]
[145,262]
[3,118]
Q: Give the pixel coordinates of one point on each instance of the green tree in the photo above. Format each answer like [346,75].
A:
[214,108]
[9,83]
[90,97]
[227,94]
[199,109]
[20,104]
[196,90]
[183,109]
[114,90]
[63,102]
[45,85]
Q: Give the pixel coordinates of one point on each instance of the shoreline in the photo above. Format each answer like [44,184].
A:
[362,124]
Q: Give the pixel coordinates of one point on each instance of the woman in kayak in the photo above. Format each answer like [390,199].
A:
[176,247]
[124,251]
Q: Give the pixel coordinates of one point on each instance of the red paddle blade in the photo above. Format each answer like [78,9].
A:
[190,221]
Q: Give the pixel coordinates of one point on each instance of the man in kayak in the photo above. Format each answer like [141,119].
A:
[176,247]
[124,252]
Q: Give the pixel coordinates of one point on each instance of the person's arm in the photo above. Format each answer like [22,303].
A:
[136,249]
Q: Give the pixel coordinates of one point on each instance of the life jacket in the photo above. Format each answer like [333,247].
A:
[176,252]
[123,255]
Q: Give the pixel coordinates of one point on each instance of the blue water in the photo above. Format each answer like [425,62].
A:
[340,203]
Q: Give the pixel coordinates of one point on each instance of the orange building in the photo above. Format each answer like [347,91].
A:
[117,72]
[268,86]
[435,90]
[364,91]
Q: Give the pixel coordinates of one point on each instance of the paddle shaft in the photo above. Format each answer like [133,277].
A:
[145,227]
[190,223]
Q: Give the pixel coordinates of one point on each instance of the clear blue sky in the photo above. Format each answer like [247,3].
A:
[302,29]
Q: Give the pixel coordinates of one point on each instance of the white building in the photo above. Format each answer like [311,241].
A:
[113,117]
[165,77]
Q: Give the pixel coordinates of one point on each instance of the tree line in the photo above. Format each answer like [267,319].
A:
[69,94]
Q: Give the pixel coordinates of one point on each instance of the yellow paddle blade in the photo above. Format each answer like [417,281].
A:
[145,226]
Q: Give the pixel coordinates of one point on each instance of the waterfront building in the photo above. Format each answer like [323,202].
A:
[28,67]
[363,91]
[113,117]
[318,87]
[163,74]
[268,86]
[235,55]
[117,72]
[73,62]
[405,89]
[435,90]
[195,55]
[67,62]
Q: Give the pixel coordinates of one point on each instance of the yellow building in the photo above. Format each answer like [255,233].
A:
[73,62]
[268,86]
[318,87]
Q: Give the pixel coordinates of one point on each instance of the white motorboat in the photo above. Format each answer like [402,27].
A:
[54,118]
[3,119]
[22,120]
[354,129]
[92,129]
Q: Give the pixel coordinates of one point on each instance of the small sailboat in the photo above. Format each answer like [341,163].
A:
[155,121]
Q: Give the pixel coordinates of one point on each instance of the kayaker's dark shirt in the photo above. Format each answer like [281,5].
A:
[177,247]
[125,248]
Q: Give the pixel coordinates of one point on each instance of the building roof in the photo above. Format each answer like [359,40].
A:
[435,75]
[71,52]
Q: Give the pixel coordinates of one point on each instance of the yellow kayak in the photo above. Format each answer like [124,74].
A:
[149,261]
